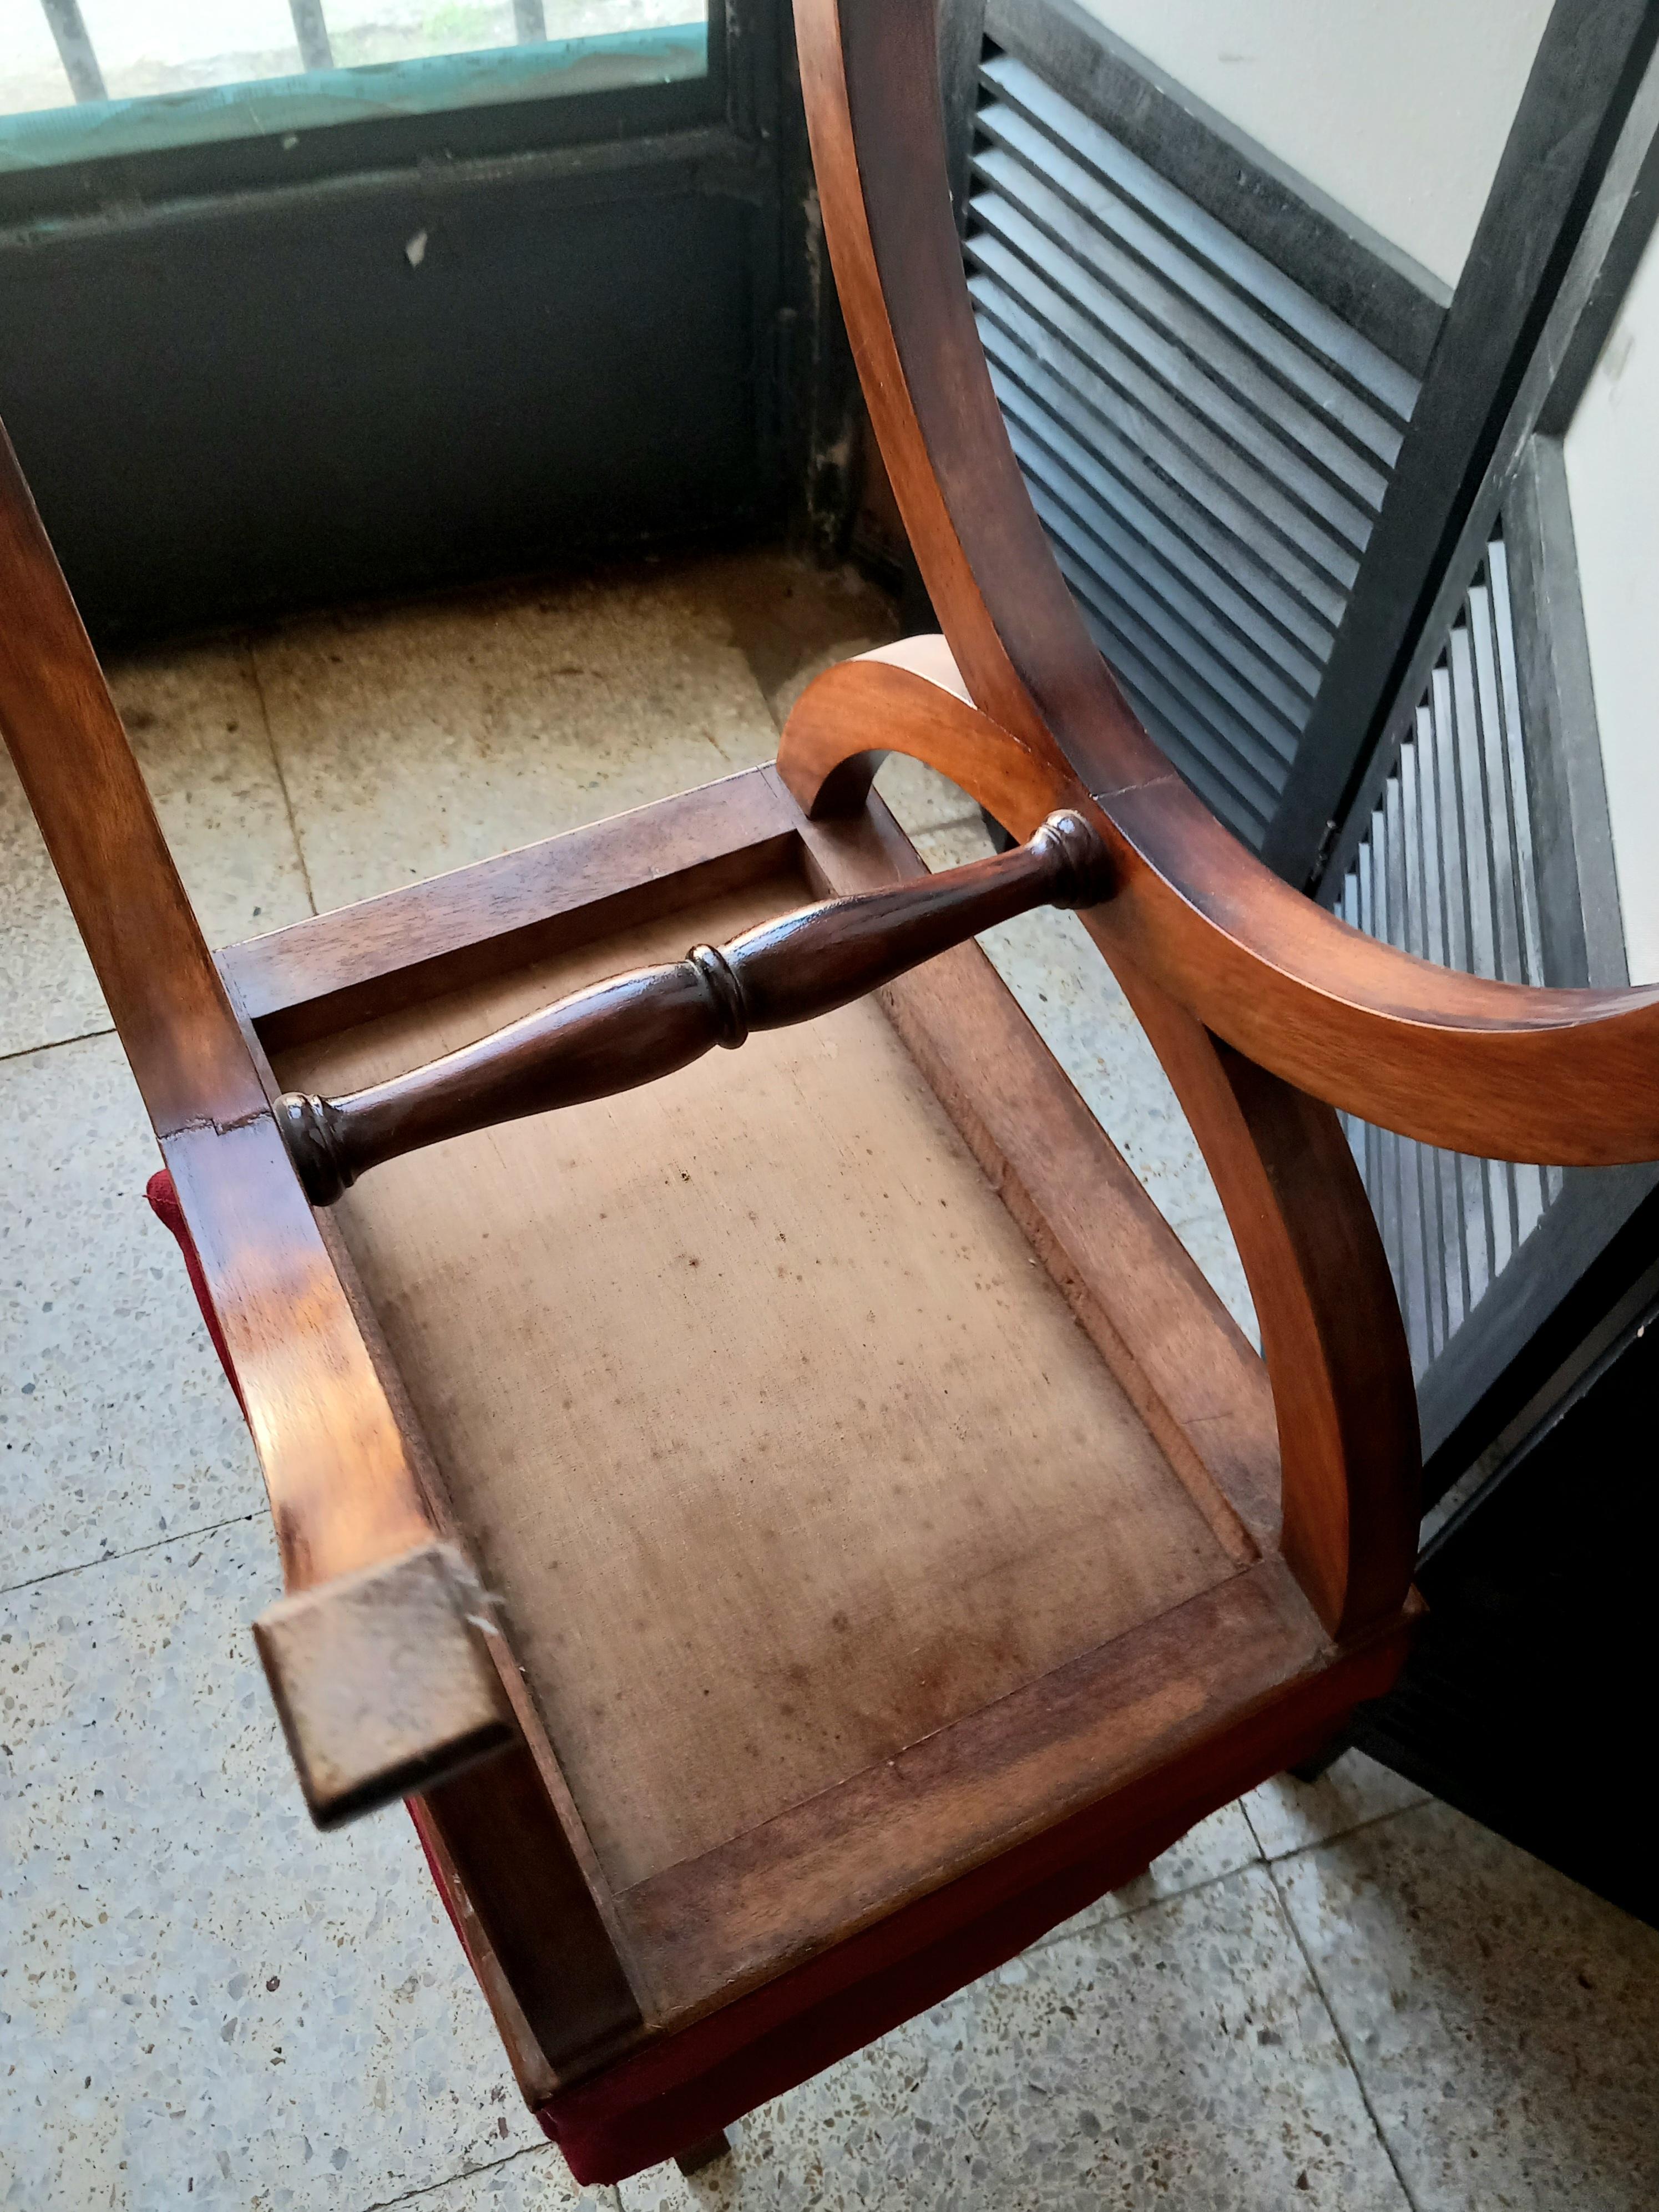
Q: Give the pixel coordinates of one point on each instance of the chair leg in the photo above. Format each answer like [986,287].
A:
[699,2154]
[1318,1763]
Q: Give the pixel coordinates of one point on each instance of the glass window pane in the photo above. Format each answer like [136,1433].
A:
[31,73]
[93,53]
[400,30]
[179,45]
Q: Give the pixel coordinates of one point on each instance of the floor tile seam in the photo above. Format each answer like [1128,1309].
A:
[469,2172]
[1336,1835]
[1343,2044]
[1254,1831]
[52,1044]
[257,682]
[1064,1933]
[131,1551]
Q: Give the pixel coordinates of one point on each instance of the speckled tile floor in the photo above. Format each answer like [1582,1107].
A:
[1342,1995]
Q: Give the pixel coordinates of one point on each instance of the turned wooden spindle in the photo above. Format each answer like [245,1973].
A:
[633,1028]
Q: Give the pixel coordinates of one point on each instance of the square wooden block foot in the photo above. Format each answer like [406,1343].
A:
[704,2152]
[383,1682]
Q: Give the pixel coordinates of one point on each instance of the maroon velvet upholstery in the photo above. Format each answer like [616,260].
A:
[681,2088]
[678,2091]
[164,1204]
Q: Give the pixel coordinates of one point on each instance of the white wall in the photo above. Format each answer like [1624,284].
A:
[1613,475]
[1396,109]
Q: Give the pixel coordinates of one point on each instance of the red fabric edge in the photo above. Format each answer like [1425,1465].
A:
[683,2089]
[678,2091]
[164,1205]
[418,1814]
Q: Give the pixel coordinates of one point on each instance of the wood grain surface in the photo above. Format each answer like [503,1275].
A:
[343,1493]
[778,1442]
[881,1506]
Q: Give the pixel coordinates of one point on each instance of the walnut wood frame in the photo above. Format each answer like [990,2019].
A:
[1067,1762]
[1266,1012]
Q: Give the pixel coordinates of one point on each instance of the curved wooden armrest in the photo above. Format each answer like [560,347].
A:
[1560,1076]
[386,1670]
[645,1024]
[909,698]
[1564,1077]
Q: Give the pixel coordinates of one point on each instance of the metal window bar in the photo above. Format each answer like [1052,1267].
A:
[315,51]
[1447,870]
[70,35]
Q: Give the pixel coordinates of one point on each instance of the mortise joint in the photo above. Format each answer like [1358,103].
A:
[310,1127]
[1085,868]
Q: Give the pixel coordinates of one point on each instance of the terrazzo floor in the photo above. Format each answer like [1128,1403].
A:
[1343,1996]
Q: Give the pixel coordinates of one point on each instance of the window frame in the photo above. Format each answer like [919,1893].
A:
[434,136]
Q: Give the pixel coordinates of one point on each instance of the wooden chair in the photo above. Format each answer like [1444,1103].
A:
[798,1531]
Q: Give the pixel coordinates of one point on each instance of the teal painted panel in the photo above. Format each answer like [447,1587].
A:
[275,107]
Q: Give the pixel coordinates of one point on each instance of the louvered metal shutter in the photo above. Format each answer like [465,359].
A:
[1447,871]
[1206,444]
